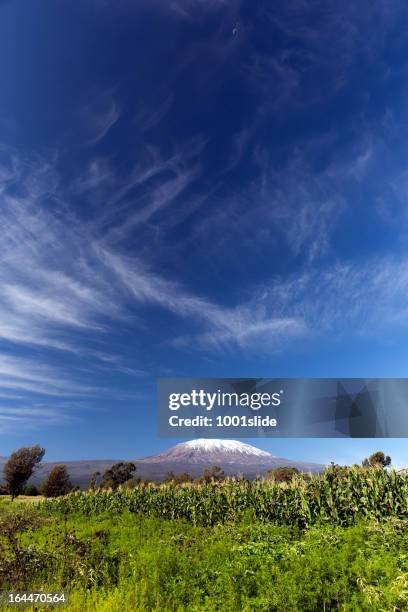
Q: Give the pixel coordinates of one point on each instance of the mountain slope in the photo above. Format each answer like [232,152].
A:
[232,456]
[203,451]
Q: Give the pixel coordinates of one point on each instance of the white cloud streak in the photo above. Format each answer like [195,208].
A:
[23,375]
[100,122]
[82,286]
[345,299]
[64,283]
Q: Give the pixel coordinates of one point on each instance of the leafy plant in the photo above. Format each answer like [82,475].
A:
[337,496]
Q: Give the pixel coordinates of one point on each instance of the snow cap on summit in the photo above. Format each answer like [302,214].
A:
[225,446]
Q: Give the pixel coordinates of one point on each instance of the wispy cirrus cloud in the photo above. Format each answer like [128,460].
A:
[56,291]
[23,375]
[223,326]
[21,418]
[293,203]
[154,184]
[368,297]
[79,285]
[98,176]
[149,118]
[69,293]
[341,301]
[331,41]
[96,118]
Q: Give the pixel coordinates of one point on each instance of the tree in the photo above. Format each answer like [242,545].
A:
[94,480]
[57,482]
[213,473]
[282,474]
[133,482]
[31,490]
[378,459]
[183,477]
[118,474]
[20,467]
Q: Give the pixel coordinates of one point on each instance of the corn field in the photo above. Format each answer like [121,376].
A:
[336,496]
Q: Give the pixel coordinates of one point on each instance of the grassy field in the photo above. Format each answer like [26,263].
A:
[112,556]
[28,499]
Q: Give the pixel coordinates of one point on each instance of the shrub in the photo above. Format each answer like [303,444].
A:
[118,474]
[31,490]
[282,474]
[57,482]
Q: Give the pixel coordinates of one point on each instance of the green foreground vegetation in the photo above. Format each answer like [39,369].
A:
[335,542]
[130,562]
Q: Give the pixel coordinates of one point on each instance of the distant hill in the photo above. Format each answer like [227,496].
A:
[192,457]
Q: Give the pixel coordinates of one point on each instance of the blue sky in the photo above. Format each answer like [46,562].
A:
[196,188]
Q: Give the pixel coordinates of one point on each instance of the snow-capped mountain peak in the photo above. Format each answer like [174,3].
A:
[232,456]
[224,446]
[209,452]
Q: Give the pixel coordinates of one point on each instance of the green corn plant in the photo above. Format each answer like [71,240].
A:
[336,497]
